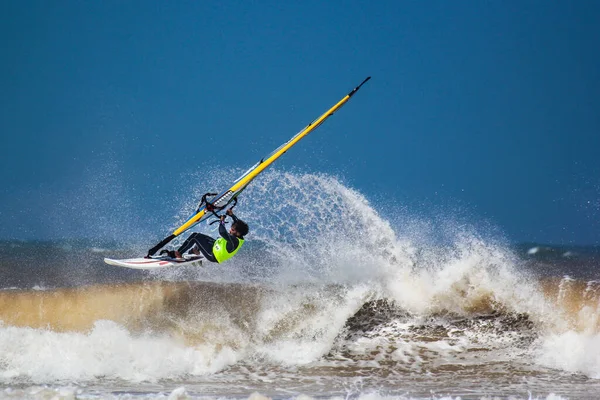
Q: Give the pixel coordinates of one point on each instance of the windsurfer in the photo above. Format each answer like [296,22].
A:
[218,250]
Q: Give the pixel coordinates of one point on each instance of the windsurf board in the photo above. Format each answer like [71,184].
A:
[157,262]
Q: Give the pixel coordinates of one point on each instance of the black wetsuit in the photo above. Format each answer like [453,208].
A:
[205,243]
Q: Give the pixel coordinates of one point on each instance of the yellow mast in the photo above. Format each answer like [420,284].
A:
[229,195]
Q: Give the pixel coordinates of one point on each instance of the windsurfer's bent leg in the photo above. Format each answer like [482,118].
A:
[204,243]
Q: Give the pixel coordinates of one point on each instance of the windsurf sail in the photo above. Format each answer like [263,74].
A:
[207,208]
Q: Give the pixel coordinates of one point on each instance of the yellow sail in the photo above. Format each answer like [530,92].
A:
[223,199]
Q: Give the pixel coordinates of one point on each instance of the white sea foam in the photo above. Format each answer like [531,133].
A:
[108,351]
[296,329]
[182,393]
[533,250]
[571,351]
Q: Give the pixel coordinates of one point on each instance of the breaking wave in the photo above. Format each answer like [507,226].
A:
[328,285]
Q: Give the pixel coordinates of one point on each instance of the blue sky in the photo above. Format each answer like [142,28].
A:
[489,106]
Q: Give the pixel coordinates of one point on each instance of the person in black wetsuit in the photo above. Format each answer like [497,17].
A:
[218,250]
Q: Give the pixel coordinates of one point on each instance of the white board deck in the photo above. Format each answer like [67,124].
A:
[156,262]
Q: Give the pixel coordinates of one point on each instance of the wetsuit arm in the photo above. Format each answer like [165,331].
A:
[232,241]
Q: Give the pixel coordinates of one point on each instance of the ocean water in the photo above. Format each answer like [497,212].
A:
[329,299]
